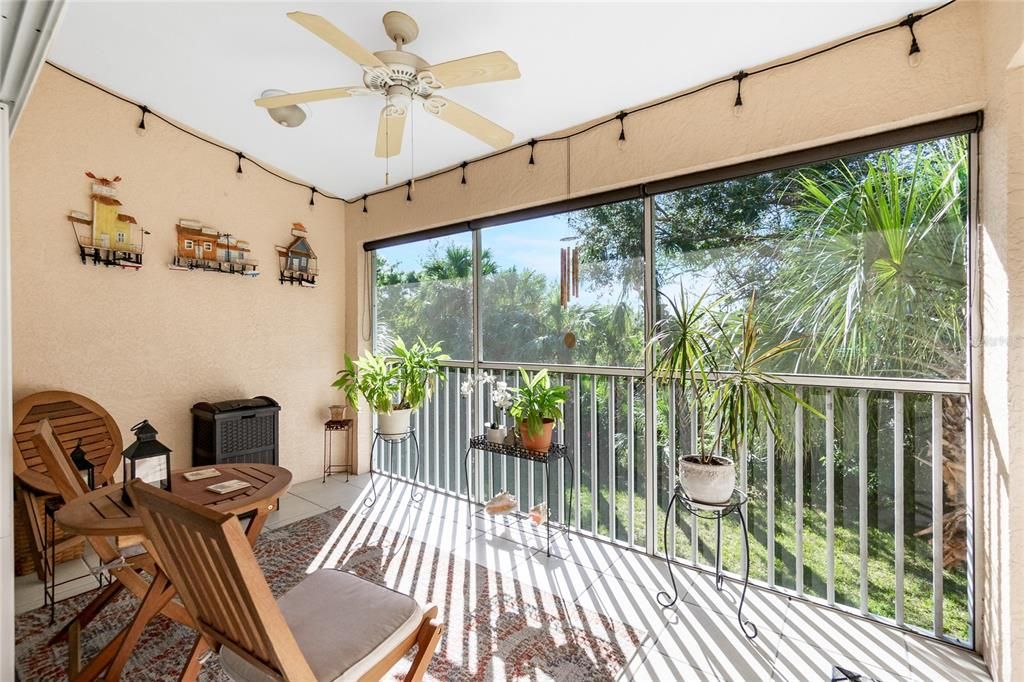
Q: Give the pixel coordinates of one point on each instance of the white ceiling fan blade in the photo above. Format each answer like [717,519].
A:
[389,133]
[333,35]
[307,96]
[481,68]
[469,121]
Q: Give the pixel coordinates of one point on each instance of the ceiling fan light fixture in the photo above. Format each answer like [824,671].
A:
[290,116]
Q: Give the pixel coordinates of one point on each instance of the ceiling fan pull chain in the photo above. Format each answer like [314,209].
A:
[412,147]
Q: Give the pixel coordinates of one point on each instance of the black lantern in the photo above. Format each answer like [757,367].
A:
[147,459]
[86,469]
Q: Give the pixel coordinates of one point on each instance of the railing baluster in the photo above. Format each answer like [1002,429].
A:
[694,526]
[458,430]
[862,493]
[436,455]
[505,463]
[670,541]
[798,453]
[446,464]
[830,495]
[937,586]
[612,460]
[631,461]
[561,466]
[577,429]
[770,503]
[593,455]
[897,484]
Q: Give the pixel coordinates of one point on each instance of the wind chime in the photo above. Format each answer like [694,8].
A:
[570,274]
[570,284]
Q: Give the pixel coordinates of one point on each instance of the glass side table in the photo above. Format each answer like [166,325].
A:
[716,512]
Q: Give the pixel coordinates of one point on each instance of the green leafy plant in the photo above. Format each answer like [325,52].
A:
[743,396]
[537,400]
[400,378]
[724,370]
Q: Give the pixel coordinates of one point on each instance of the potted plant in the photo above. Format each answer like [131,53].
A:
[536,406]
[501,397]
[394,382]
[731,389]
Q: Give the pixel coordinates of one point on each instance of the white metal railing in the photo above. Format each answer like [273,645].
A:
[833,516]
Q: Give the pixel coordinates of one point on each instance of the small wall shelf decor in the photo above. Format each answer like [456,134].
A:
[201,247]
[108,236]
[297,260]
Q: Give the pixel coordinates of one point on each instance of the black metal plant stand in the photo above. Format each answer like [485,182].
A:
[50,584]
[393,439]
[715,512]
[554,453]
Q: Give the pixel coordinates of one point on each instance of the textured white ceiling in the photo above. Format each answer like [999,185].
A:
[203,63]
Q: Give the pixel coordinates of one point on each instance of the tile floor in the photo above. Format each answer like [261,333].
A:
[697,639]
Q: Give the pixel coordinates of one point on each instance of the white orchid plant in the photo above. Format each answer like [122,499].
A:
[502,395]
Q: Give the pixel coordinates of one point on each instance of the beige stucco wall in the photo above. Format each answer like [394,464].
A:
[150,344]
[860,89]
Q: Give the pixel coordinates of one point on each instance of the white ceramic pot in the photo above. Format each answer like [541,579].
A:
[710,483]
[393,424]
[497,435]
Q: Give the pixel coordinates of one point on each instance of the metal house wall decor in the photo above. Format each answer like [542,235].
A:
[297,260]
[201,247]
[108,237]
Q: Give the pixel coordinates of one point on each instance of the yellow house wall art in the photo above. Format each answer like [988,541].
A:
[114,238]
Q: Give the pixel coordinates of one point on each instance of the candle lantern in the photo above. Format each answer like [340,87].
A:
[86,469]
[147,459]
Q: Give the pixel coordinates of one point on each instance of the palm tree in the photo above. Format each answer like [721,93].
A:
[877,279]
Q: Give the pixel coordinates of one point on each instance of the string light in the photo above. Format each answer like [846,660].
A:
[737,107]
[914,56]
[141,130]
[238,171]
[312,194]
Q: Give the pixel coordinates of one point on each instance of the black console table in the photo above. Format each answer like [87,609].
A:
[554,453]
[393,439]
[716,512]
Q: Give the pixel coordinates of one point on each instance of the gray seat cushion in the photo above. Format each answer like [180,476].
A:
[343,624]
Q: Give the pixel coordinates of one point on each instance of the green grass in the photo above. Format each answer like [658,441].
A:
[881,563]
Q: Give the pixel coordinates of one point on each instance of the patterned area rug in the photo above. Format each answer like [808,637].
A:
[497,627]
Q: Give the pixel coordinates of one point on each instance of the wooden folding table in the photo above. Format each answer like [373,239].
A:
[103,513]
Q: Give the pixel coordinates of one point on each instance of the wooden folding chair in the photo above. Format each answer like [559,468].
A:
[74,418]
[125,570]
[331,626]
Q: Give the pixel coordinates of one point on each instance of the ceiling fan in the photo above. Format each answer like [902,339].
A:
[402,77]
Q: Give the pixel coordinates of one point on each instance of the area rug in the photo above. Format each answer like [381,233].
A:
[498,628]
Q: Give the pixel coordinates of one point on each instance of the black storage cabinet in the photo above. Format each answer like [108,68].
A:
[235,431]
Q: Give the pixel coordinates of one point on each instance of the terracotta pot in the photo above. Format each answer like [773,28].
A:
[338,412]
[540,442]
[394,424]
[710,483]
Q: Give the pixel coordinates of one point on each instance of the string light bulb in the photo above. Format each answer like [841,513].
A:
[464,164]
[914,55]
[622,129]
[737,107]
[238,171]
[531,163]
[312,195]
[364,204]
[141,129]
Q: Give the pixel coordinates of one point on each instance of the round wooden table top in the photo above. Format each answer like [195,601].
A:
[102,512]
